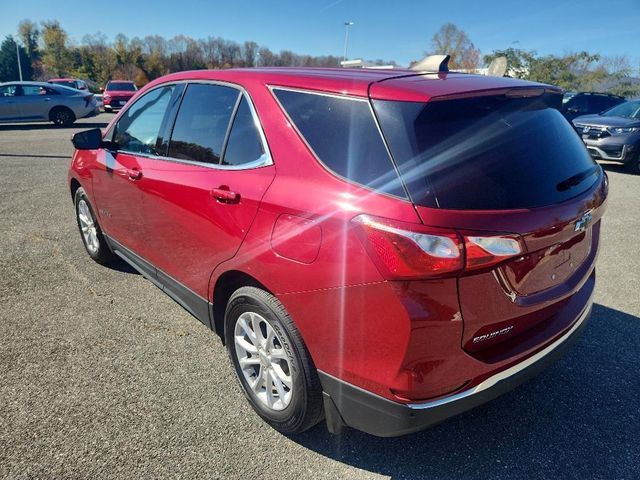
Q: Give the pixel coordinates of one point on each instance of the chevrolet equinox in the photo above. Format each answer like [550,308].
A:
[380,248]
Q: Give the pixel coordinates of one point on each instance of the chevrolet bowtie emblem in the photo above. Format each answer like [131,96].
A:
[583,221]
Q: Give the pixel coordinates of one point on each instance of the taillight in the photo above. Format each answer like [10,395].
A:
[409,251]
[483,252]
[403,251]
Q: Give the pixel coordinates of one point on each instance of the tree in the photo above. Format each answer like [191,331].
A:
[450,40]
[55,56]
[518,61]
[249,54]
[29,34]
[9,61]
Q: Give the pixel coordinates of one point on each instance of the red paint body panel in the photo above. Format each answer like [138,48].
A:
[189,232]
[292,232]
[296,238]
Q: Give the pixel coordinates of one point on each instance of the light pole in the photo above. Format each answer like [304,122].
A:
[18,57]
[346,39]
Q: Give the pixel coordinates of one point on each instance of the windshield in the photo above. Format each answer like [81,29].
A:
[121,87]
[486,153]
[627,110]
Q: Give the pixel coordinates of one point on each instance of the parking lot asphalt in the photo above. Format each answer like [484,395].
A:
[103,376]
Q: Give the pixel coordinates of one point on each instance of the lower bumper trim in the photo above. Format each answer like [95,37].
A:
[370,413]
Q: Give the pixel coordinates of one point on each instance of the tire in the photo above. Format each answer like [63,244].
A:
[90,232]
[633,165]
[62,116]
[282,356]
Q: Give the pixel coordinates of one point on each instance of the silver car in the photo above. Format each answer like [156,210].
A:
[40,101]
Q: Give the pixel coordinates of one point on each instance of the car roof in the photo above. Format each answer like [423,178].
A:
[39,84]
[602,94]
[398,84]
[63,79]
[120,81]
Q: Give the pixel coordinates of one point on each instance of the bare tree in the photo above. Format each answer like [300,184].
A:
[450,40]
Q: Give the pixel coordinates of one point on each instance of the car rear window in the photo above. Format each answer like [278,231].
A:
[121,87]
[342,133]
[65,83]
[486,153]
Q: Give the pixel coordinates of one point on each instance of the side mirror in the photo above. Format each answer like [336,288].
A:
[87,139]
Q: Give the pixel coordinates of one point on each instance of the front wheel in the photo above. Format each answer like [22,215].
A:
[633,165]
[92,237]
[271,361]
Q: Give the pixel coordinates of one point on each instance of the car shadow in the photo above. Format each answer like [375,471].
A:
[51,126]
[578,419]
[615,167]
[120,265]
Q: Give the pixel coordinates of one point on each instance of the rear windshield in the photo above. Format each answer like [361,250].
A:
[122,87]
[486,153]
[65,83]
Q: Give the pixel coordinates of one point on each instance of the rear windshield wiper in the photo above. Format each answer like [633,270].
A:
[576,179]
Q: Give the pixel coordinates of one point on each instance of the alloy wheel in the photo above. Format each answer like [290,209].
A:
[88,227]
[263,361]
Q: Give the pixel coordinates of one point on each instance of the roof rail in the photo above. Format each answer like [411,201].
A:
[432,63]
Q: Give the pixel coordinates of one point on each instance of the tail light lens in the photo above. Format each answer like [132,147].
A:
[402,251]
[483,252]
[409,251]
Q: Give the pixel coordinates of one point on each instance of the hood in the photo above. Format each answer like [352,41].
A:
[606,121]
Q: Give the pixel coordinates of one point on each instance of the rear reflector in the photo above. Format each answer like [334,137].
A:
[410,251]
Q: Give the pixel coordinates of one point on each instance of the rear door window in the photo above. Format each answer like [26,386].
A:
[202,123]
[342,133]
[486,153]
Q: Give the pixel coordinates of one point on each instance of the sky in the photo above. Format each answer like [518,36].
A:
[391,30]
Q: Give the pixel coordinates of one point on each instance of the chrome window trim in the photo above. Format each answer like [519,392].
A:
[315,155]
[344,96]
[264,160]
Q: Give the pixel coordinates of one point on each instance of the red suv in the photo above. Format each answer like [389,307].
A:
[382,248]
[117,93]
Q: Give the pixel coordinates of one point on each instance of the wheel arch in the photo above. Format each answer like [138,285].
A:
[74,185]
[225,285]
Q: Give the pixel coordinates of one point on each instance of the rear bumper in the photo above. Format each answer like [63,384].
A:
[348,405]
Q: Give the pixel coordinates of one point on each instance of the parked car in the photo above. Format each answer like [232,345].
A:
[71,83]
[117,93]
[382,248]
[613,134]
[41,101]
[585,103]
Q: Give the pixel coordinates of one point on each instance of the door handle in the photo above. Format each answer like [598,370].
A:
[134,173]
[224,194]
